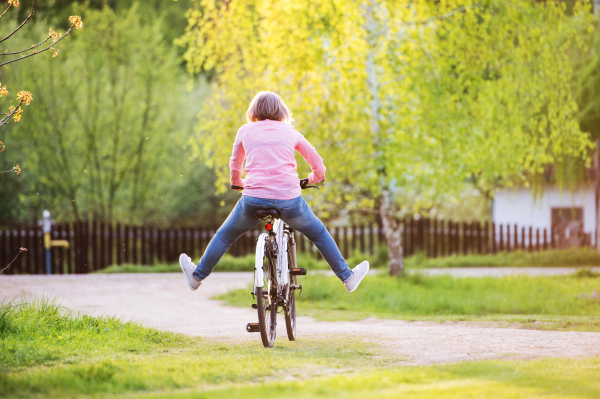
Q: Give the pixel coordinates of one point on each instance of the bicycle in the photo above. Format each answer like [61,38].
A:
[275,275]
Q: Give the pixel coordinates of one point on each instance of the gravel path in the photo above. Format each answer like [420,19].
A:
[164,301]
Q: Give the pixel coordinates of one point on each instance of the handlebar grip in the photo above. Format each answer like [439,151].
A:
[236,187]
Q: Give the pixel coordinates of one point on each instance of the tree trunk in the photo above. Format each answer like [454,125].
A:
[391,227]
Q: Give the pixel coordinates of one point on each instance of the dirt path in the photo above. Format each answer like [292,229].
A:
[164,301]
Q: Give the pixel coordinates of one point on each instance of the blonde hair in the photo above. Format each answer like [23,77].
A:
[268,105]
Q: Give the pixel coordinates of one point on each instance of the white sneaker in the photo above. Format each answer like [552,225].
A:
[188,267]
[360,272]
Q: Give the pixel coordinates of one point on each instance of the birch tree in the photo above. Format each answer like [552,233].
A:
[405,100]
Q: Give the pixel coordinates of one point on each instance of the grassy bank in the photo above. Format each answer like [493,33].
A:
[569,302]
[49,352]
[577,257]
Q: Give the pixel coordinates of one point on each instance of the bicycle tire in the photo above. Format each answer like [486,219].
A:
[267,310]
[290,315]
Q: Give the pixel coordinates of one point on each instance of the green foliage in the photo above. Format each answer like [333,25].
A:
[420,295]
[108,138]
[431,97]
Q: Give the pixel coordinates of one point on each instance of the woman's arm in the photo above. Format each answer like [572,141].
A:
[236,162]
[313,158]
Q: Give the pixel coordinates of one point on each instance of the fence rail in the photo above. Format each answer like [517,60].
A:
[95,245]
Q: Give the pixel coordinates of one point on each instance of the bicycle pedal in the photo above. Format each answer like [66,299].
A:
[254,306]
[298,271]
[252,327]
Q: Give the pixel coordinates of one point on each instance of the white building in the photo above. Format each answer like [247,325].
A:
[563,212]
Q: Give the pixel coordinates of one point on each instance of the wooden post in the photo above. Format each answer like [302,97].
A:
[487,248]
[465,238]
[501,239]
[110,245]
[494,242]
[353,239]
[362,239]
[516,246]
[545,239]
[346,252]
[523,239]
[86,248]
[442,238]
[371,241]
[537,240]
[530,239]
[119,240]
[435,239]
[127,246]
[95,251]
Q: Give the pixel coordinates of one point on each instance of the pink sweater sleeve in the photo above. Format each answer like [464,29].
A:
[236,162]
[313,158]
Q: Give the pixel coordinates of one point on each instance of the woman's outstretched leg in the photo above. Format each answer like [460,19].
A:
[311,226]
[236,224]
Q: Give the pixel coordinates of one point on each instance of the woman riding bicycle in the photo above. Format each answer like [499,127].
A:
[267,142]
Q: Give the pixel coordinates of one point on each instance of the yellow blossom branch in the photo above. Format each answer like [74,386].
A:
[13,111]
[27,49]
[77,24]
[7,8]
[24,22]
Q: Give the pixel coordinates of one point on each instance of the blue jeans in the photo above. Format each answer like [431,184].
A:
[294,212]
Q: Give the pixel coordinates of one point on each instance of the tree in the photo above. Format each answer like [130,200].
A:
[25,97]
[405,100]
[113,117]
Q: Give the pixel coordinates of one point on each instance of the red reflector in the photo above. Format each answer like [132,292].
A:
[269,226]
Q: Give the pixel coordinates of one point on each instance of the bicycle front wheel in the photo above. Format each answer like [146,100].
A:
[267,305]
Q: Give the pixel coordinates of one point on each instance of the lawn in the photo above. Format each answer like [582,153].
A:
[577,257]
[564,302]
[47,351]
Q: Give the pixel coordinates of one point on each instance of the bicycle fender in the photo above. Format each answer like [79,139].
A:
[258,263]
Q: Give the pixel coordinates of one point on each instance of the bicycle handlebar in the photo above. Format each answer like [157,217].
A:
[303,185]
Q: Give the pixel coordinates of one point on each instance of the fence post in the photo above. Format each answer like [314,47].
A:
[486,247]
[516,239]
[523,245]
[346,243]
[545,240]
[442,237]
[110,248]
[530,239]
[371,241]
[537,240]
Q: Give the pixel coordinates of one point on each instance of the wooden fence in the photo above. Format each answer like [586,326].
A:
[97,245]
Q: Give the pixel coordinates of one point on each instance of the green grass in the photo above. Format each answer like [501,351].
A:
[49,352]
[537,302]
[576,257]
[550,378]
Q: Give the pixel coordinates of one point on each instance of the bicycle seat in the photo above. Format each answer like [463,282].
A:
[263,213]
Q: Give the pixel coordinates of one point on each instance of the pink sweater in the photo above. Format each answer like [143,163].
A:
[268,147]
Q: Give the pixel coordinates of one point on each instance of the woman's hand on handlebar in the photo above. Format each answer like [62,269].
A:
[304,184]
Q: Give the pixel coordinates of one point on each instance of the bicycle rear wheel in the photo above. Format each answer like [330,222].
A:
[267,306]
[290,314]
